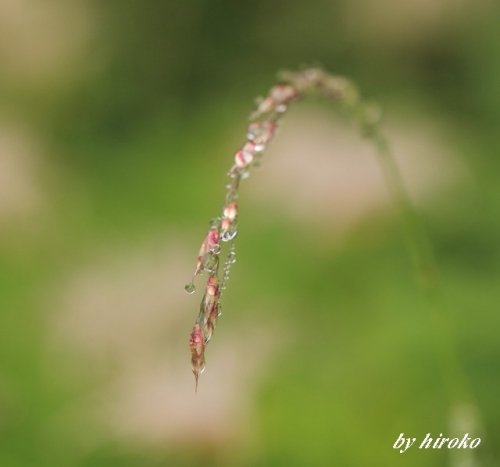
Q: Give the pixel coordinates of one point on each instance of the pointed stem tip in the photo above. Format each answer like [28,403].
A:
[196,374]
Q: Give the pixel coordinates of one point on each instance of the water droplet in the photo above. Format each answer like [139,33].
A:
[231,257]
[228,235]
[190,288]
[215,249]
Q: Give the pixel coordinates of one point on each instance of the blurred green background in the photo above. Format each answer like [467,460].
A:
[118,122]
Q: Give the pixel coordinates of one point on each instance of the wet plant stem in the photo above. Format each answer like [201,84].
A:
[264,121]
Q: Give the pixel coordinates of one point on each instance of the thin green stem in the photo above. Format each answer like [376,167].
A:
[427,273]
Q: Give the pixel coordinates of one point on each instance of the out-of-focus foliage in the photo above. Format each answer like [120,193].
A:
[118,120]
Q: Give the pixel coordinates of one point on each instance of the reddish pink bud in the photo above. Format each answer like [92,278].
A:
[212,239]
[283,93]
[212,286]
[197,346]
[231,211]
[250,148]
[209,244]
[226,224]
[211,297]
[245,155]
[196,341]
[243,158]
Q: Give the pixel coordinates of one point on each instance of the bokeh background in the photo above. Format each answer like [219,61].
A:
[118,121]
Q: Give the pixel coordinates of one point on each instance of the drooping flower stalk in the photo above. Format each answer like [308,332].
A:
[263,125]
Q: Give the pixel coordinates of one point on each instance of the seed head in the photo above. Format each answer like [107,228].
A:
[197,346]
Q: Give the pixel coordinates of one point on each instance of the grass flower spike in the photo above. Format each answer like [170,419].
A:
[264,121]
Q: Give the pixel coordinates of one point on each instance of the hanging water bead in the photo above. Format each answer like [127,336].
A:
[230,232]
[190,288]
[229,261]
[231,257]
[244,174]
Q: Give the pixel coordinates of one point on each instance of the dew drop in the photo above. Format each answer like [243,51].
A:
[190,288]
[228,235]
[244,174]
[231,257]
